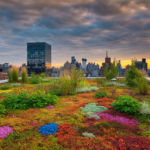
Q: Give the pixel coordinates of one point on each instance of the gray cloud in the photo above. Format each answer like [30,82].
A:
[75,27]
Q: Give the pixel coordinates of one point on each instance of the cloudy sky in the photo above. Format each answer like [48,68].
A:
[80,28]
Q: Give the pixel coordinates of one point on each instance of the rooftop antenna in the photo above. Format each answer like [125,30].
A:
[106,55]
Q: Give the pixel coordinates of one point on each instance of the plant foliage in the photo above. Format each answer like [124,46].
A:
[101,94]
[126,104]
[26,101]
[112,72]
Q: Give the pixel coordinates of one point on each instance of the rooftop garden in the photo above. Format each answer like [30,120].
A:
[74,113]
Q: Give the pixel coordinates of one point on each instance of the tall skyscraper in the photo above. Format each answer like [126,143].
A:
[39,58]
[73,60]
[84,63]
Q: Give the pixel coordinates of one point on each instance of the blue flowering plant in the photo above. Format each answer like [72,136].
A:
[48,129]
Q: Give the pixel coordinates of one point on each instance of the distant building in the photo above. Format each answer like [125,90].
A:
[39,58]
[5,67]
[56,72]
[3,76]
[93,70]
[84,64]
[141,64]
[107,63]
[120,68]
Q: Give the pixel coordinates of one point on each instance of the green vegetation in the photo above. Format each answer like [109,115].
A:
[112,72]
[26,101]
[132,74]
[5,87]
[101,94]
[13,74]
[56,92]
[142,85]
[43,75]
[126,104]
[24,74]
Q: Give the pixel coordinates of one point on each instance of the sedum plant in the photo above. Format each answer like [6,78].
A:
[88,134]
[144,108]
[126,104]
[86,89]
[92,107]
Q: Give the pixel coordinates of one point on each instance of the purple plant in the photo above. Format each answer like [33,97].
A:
[50,107]
[124,120]
[113,91]
[4,131]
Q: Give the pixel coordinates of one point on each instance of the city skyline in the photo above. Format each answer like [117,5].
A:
[84,29]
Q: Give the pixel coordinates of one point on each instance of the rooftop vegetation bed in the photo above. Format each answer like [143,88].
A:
[46,116]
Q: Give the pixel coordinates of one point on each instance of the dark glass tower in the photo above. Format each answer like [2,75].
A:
[39,58]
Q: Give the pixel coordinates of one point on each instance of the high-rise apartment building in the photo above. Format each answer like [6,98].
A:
[84,64]
[39,58]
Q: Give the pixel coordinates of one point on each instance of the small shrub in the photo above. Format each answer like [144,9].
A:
[5,87]
[126,104]
[14,74]
[132,74]
[24,74]
[142,85]
[76,77]
[113,72]
[84,83]
[72,93]
[43,75]
[65,85]
[26,101]
[2,109]
[56,92]
[101,94]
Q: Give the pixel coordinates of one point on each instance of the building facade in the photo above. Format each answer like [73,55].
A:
[141,64]
[39,58]
[84,64]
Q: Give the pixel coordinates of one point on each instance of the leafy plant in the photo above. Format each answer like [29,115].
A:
[25,100]
[43,75]
[112,72]
[24,74]
[142,85]
[76,76]
[65,85]
[2,109]
[126,104]
[5,87]
[56,92]
[101,94]
[132,74]
[72,93]
[34,79]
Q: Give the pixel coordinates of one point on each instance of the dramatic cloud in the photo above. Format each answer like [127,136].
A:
[75,28]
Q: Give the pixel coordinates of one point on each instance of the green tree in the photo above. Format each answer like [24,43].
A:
[132,74]
[112,72]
